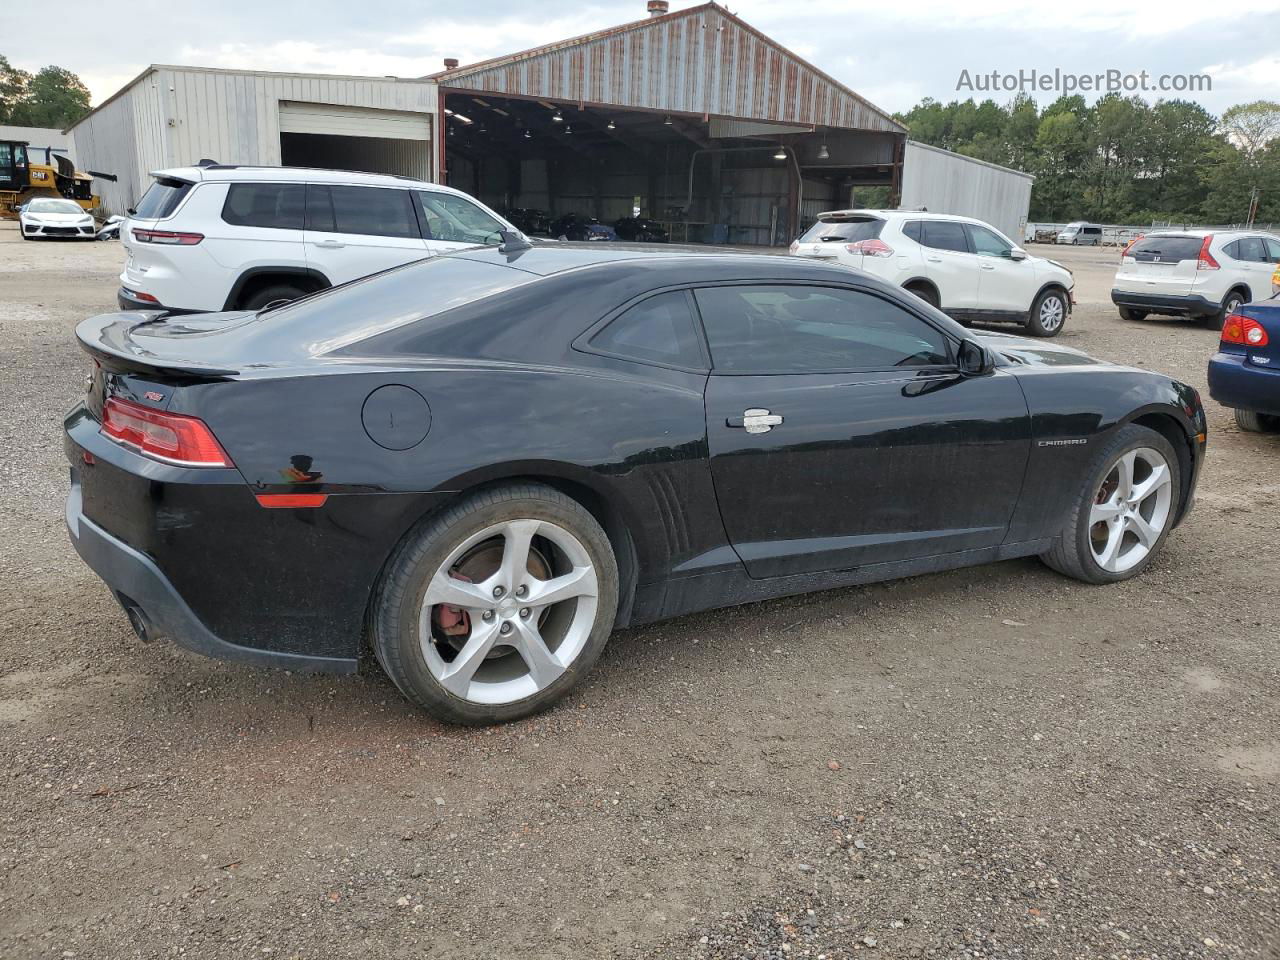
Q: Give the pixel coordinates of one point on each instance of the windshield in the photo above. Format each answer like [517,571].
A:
[843,231]
[53,206]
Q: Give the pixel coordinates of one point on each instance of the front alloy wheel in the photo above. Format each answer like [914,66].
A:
[493,609]
[1048,314]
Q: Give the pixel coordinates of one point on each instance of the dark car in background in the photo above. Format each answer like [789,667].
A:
[574,227]
[530,220]
[1245,372]
[640,230]
[481,464]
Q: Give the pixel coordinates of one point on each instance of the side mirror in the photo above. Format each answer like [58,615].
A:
[1016,254]
[973,359]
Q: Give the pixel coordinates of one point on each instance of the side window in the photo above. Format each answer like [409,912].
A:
[278,205]
[659,330]
[808,329]
[986,243]
[1252,250]
[1232,249]
[371,211]
[161,199]
[1273,250]
[911,230]
[456,219]
[943,235]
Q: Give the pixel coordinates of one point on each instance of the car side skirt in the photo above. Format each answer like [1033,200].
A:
[731,586]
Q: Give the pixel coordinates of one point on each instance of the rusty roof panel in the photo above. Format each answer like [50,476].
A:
[702,61]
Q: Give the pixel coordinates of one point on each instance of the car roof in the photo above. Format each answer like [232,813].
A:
[229,172]
[545,258]
[899,214]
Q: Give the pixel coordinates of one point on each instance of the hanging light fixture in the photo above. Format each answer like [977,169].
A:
[528,135]
[824,153]
[557,118]
[568,129]
[667,120]
[781,154]
[611,126]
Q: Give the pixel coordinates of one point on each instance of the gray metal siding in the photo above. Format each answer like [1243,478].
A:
[945,182]
[699,61]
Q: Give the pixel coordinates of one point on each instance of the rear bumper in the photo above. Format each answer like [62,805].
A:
[1192,305]
[1243,386]
[127,299]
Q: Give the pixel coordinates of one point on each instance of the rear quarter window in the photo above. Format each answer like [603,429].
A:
[273,205]
[161,199]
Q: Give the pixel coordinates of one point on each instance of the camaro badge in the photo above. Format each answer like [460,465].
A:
[1060,443]
[154,396]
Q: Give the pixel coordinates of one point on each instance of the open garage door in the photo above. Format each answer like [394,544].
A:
[355,138]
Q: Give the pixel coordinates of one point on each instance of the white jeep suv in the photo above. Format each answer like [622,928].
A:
[966,268]
[225,237]
[1199,274]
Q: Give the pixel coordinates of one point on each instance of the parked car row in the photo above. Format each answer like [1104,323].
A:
[573,226]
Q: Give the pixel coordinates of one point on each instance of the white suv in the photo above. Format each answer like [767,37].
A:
[965,267]
[1194,273]
[224,237]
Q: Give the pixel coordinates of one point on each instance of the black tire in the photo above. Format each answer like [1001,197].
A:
[1252,422]
[1071,554]
[273,293]
[399,598]
[22,233]
[1137,316]
[1230,304]
[925,293]
[1039,326]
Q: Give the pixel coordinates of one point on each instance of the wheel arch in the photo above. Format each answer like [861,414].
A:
[256,277]
[1180,437]
[1051,285]
[926,283]
[1244,289]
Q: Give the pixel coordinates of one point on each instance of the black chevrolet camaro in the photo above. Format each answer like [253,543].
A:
[480,465]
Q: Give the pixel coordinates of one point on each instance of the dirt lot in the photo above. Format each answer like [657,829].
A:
[995,762]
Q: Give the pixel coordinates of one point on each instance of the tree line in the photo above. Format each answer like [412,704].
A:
[51,97]
[1121,160]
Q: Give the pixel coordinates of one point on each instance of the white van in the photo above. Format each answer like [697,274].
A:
[1081,234]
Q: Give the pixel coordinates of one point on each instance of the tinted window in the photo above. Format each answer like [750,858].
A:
[372,211]
[1232,249]
[943,235]
[843,231]
[447,217]
[276,205]
[912,230]
[1252,250]
[1092,231]
[987,243]
[1166,249]
[803,329]
[1273,250]
[659,329]
[161,199]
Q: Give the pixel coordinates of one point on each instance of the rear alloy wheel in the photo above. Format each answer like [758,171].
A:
[1128,313]
[1234,301]
[1048,314]
[1252,422]
[1125,511]
[495,609]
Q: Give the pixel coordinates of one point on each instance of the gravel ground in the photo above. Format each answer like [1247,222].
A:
[995,762]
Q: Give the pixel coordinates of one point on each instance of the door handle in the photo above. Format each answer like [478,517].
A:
[934,259]
[330,244]
[755,420]
[987,266]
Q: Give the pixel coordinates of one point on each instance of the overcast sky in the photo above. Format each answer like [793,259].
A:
[892,53]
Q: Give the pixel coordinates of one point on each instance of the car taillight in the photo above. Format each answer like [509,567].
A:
[1206,261]
[167,236]
[870,248]
[1129,246]
[171,437]
[1244,331]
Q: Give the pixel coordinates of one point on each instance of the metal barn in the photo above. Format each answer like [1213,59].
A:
[944,182]
[175,116]
[692,118]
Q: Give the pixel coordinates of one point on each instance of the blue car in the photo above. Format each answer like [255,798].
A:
[1245,372]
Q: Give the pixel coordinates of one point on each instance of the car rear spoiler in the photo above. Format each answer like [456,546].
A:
[108,339]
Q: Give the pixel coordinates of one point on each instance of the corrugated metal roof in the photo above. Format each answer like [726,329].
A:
[703,61]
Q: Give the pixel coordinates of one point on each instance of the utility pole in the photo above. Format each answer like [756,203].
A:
[1253,208]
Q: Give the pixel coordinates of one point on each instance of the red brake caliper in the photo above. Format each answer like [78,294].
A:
[453,621]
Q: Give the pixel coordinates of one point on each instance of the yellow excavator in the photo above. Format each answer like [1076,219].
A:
[23,177]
